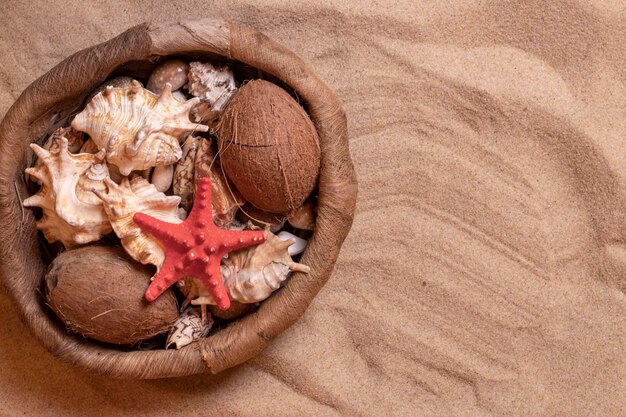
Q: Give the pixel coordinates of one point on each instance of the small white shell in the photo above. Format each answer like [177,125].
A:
[121,202]
[188,328]
[214,84]
[137,128]
[72,214]
[162,177]
[299,245]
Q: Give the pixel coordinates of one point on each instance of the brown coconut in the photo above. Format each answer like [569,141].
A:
[98,291]
[269,147]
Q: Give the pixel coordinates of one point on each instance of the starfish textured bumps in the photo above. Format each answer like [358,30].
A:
[195,247]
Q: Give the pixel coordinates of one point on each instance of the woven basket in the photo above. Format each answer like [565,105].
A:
[51,100]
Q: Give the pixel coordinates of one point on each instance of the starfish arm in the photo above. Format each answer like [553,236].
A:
[202,207]
[160,230]
[212,280]
[164,279]
[234,240]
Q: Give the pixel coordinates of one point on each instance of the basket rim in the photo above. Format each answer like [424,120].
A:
[244,338]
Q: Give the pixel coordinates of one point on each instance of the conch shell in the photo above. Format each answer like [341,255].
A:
[72,214]
[137,128]
[75,140]
[189,328]
[214,84]
[251,274]
[121,202]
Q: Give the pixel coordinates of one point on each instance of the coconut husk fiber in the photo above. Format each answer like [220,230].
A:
[484,272]
[53,98]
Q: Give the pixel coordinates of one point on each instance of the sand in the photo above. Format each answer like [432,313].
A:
[484,275]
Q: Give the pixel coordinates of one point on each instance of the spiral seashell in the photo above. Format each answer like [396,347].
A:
[189,328]
[72,214]
[137,128]
[251,274]
[121,202]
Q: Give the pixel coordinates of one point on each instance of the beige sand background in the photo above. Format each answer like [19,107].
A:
[485,272]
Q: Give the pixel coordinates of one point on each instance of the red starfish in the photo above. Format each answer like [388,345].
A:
[195,247]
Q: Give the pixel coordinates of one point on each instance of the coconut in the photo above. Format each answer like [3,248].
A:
[233,312]
[269,147]
[98,291]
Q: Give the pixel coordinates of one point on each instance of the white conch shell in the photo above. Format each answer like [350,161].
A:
[250,275]
[121,202]
[214,84]
[137,128]
[162,177]
[72,214]
[188,328]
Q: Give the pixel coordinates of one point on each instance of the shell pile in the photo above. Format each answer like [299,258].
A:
[144,150]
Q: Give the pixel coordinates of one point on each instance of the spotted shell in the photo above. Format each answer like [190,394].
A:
[137,128]
[72,214]
[251,274]
[121,202]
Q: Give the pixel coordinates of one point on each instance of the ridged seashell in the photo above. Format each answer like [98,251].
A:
[89,147]
[226,198]
[162,176]
[137,128]
[214,84]
[72,214]
[173,71]
[188,328]
[121,202]
[116,82]
[250,274]
[204,113]
[75,140]
[183,172]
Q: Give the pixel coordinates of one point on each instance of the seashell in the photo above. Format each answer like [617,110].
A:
[137,128]
[272,155]
[188,328]
[298,246]
[214,84]
[204,113]
[183,185]
[116,82]
[226,198]
[180,96]
[275,222]
[251,274]
[173,71]
[91,182]
[162,177]
[303,217]
[75,140]
[121,202]
[71,214]
[89,147]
